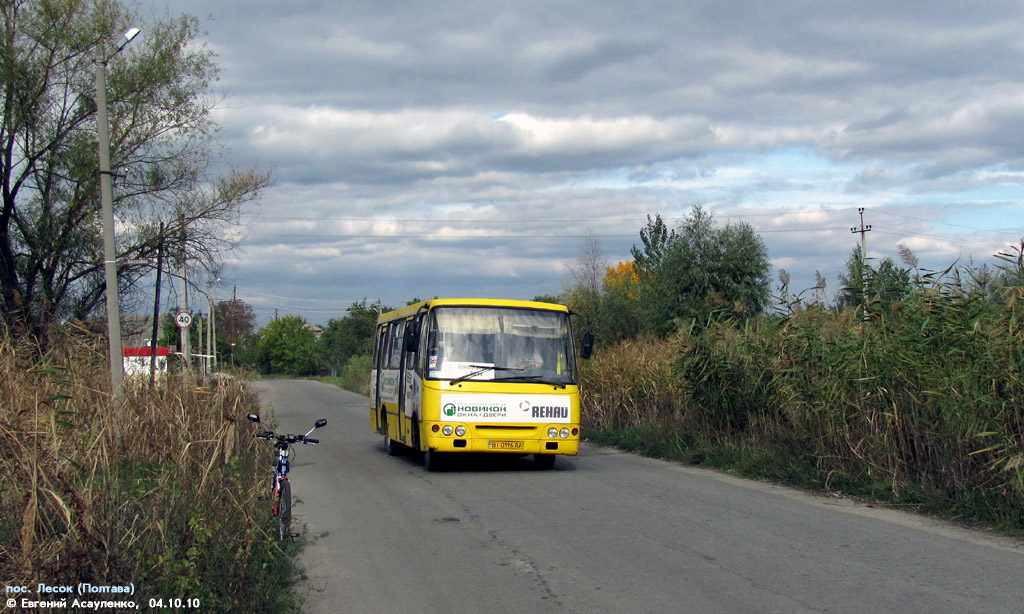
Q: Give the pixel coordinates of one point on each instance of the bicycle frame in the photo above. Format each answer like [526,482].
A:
[279,474]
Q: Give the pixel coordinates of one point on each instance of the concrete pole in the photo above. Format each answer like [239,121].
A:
[186,345]
[109,250]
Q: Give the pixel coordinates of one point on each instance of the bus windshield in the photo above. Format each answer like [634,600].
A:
[500,344]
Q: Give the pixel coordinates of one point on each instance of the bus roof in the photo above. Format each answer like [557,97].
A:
[409,310]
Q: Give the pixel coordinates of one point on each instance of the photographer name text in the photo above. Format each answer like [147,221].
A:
[85,597]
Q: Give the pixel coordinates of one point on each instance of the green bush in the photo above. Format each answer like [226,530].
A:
[355,375]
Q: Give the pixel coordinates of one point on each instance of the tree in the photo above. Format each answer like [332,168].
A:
[656,238]
[287,346]
[236,332]
[350,336]
[548,298]
[863,284]
[162,152]
[620,316]
[700,268]
[235,319]
[584,297]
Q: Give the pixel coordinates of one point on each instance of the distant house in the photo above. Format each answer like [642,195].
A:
[317,330]
[136,337]
[138,360]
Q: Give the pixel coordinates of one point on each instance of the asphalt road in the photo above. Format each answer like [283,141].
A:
[606,531]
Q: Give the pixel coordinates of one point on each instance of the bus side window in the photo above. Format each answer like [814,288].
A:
[385,343]
[378,346]
[412,361]
[395,344]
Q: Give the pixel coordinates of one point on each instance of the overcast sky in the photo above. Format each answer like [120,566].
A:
[468,148]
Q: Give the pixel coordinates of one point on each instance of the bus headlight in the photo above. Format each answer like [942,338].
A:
[552,433]
[460,431]
[564,433]
[447,430]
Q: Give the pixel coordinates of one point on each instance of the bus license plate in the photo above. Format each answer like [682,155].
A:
[506,445]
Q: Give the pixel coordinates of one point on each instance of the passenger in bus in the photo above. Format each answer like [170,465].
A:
[525,355]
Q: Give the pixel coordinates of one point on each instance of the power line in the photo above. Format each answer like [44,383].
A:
[459,237]
[587,221]
[441,237]
[310,300]
[948,239]
[921,219]
[617,220]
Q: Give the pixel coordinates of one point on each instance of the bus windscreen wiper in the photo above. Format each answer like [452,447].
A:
[540,379]
[480,369]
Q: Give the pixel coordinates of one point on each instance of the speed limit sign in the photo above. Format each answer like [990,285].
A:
[183,319]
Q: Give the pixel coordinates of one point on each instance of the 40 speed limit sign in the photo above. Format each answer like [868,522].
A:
[183,319]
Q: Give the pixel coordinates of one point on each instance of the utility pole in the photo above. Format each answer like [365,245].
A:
[198,319]
[109,249]
[186,346]
[156,307]
[863,254]
[211,328]
[211,319]
[863,232]
[213,333]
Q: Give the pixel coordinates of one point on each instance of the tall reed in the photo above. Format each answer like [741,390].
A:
[166,498]
[631,384]
[920,403]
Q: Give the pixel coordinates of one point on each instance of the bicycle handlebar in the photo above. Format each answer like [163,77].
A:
[289,438]
[284,440]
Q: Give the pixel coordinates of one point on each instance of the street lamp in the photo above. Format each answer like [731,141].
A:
[107,200]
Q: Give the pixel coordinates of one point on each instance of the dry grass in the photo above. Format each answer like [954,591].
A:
[164,498]
[631,384]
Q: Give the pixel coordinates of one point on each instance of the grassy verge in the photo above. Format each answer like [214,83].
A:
[164,496]
[354,376]
[918,405]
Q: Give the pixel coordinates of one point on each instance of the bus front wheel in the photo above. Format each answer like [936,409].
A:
[431,460]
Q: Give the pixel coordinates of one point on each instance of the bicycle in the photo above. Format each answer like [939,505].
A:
[280,487]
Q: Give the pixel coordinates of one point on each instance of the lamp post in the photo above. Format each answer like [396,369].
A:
[107,200]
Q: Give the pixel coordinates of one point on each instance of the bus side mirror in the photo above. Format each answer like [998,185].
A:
[587,347]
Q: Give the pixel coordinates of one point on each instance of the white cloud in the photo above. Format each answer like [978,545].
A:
[545,120]
[589,134]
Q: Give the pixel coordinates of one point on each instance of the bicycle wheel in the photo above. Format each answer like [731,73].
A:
[284,511]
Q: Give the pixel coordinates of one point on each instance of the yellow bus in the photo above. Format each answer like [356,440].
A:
[477,375]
